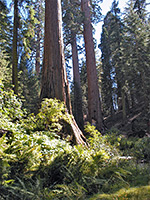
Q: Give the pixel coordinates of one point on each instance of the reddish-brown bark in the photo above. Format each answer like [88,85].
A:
[94,104]
[54,79]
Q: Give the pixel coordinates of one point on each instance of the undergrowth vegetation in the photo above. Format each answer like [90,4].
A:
[38,161]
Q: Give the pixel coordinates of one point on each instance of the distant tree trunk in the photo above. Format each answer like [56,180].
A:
[54,78]
[111,96]
[148,126]
[78,113]
[94,104]
[15,56]
[123,105]
[37,64]
[38,35]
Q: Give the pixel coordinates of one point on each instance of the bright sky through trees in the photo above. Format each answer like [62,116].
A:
[106,6]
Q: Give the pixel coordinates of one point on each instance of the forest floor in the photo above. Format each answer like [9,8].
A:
[134,124]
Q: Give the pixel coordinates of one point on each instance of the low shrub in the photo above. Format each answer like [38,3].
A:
[37,163]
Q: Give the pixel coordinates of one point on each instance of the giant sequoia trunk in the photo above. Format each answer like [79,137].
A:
[78,113]
[15,56]
[54,79]
[94,104]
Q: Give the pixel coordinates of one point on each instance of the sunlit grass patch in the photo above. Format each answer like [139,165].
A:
[140,193]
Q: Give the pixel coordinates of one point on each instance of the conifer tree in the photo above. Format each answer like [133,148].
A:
[72,19]
[107,66]
[39,15]
[94,103]
[131,55]
[15,54]
[114,89]
[54,78]
[139,6]
[78,113]
[5,45]
[135,59]
[29,19]
[17,33]
[5,28]
[116,37]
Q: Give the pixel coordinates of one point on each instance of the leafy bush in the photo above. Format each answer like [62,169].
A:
[141,149]
[136,147]
[5,72]
[101,143]
[52,115]
[10,105]
[35,163]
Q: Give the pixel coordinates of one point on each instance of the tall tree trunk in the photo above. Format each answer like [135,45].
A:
[38,34]
[111,96]
[123,105]
[15,56]
[94,104]
[54,78]
[78,113]
[37,64]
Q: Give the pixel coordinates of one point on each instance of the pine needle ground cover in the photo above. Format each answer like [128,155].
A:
[39,161]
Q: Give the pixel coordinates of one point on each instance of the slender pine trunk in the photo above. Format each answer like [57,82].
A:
[78,113]
[123,105]
[37,64]
[15,56]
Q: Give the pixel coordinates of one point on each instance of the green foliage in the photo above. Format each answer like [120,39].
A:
[110,45]
[114,137]
[72,19]
[141,149]
[10,106]
[136,147]
[130,194]
[5,72]
[29,89]
[101,143]
[5,27]
[124,46]
[51,113]
[36,164]
[4,166]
